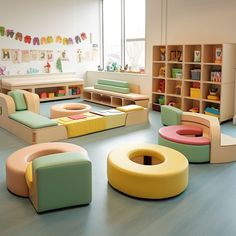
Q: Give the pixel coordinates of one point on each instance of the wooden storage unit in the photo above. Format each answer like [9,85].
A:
[70,85]
[114,99]
[190,73]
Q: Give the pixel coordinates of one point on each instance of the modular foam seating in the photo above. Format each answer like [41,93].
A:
[19,115]
[113,85]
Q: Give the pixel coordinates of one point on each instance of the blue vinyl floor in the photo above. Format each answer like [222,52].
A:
[206,208]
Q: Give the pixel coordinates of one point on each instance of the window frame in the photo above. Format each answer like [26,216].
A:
[123,38]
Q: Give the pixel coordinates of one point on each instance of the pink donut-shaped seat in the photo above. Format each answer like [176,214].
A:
[185,134]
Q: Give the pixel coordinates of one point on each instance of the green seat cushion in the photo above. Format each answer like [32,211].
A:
[170,115]
[19,100]
[112,88]
[32,120]
[62,180]
[194,153]
[118,83]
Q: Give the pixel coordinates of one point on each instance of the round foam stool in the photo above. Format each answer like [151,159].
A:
[147,171]
[68,109]
[17,163]
[188,140]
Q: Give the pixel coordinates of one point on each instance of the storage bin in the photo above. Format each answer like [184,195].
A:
[196,74]
[176,71]
[195,92]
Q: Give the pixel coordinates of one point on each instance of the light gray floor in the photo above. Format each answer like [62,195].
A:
[206,208]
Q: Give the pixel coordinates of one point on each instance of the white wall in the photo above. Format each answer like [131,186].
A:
[45,18]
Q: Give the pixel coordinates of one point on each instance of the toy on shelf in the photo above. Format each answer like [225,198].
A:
[212,111]
[172,103]
[161,100]
[161,86]
[43,95]
[195,90]
[176,55]
[178,89]
[213,93]
[162,71]
[194,109]
[197,56]
[60,93]
[176,73]
[216,76]
[218,55]
[163,54]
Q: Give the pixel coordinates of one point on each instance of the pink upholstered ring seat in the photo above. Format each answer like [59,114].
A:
[68,109]
[184,134]
[17,163]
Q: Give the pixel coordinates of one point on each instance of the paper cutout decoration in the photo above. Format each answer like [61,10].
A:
[42,55]
[5,54]
[2,30]
[27,39]
[35,41]
[49,55]
[3,70]
[10,33]
[18,36]
[34,55]
[49,39]
[15,54]
[43,40]
[58,39]
[25,56]
[59,65]
[77,39]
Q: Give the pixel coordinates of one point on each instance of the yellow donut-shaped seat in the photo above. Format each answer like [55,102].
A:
[166,177]
[68,109]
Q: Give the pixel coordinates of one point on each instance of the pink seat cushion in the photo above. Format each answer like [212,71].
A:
[185,134]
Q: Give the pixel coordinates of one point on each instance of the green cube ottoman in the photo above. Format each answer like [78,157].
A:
[60,180]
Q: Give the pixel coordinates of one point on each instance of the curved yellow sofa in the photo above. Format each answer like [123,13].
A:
[166,177]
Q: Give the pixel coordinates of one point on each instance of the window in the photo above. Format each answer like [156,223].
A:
[124,35]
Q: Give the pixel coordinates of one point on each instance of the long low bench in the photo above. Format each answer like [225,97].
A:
[48,84]
[114,99]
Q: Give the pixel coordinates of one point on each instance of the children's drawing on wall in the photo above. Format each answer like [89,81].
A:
[5,55]
[79,55]
[42,55]
[63,56]
[34,55]
[15,53]
[25,56]
[49,55]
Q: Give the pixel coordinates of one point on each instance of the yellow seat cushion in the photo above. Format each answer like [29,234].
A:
[28,175]
[130,108]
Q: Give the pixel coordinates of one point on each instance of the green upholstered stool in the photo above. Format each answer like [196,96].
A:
[59,180]
[194,153]
[170,115]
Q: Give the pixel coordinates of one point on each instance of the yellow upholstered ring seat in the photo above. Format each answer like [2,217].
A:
[167,179]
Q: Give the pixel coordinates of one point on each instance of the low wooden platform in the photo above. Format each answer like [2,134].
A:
[114,99]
